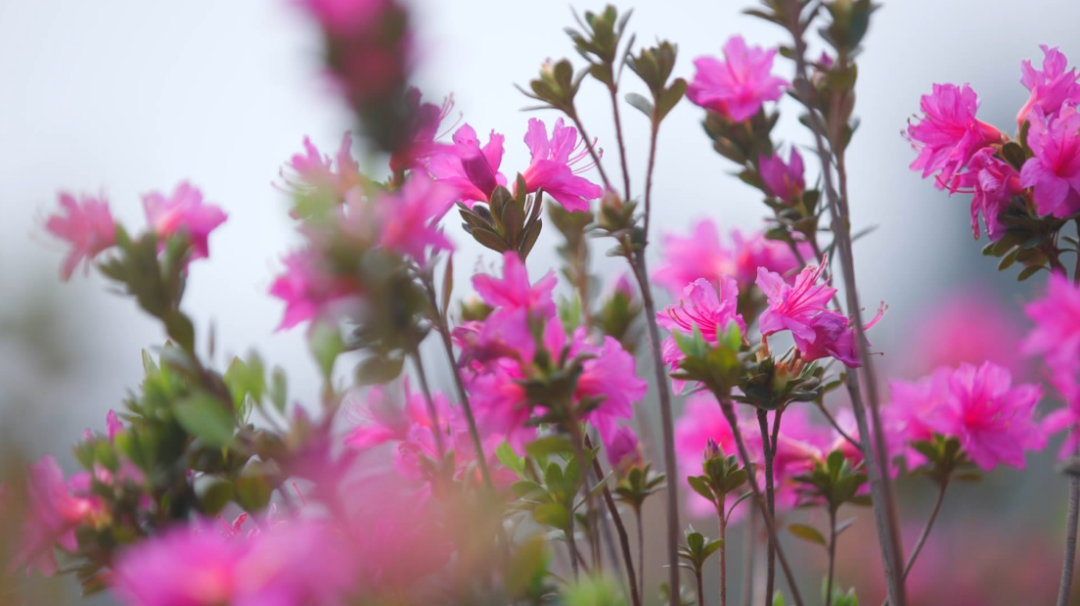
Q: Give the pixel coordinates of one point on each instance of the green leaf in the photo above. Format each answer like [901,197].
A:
[326,345]
[807,533]
[148,364]
[548,445]
[509,458]
[670,98]
[447,284]
[552,514]
[206,418]
[214,495]
[1028,272]
[641,103]
[701,486]
[378,369]
[279,389]
[253,491]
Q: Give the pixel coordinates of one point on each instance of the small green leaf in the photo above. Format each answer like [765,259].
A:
[1028,272]
[253,491]
[378,369]
[326,345]
[552,514]
[279,389]
[509,458]
[807,533]
[548,445]
[641,103]
[206,418]
[701,486]
[214,495]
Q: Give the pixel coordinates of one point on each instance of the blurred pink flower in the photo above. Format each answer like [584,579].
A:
[556,163]
[113,425]
[309,289]
[1056,335]
[964,326]
[314,173]
[623,450]
[1054,171]
[501,406]
[701,421]
[906,418]
[948,134]
[410,218]
[345,16]
[291,564]
[705,308]
[88,226]
[699,255]
[993,183]
[992,419]
[783,180]
[424,128]
[183,212]
[612,376]
[53,514]
[1051,87]
[757,251]
[473,171]
[738,86]
[514,291]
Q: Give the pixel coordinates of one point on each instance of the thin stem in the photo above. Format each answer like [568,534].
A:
[926,531]
[749,557]
[668,425]
[619,136]
[624,539]
[759,499]
[836,426]
[873,450]
[640,551]
[572,546]
[700,588]
[770,553]
[722,519]
[432,411]
[463,397]
[653,136]
[832,555]
[592,150]
[1076,269]
[1065,589]
[590,507]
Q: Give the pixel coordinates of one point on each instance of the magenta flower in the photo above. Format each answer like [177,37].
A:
[183,212]
[783,180]
[113,425]
[286,565]
[738,86]
[514,291]
[757,251]
[906,418]
[313,173]
[53,514]
[345,16]
[473,171]
[993,182]
[705,308]
[948,135]
[964,326]
[699,255]
[1051,87]
[310,289]
[992,419]
[501,406]
[410,218]
[423,145]
[1054,171]
[557,163]
[88,227]
[611,376]
[624,450]
[701,421]
[1056,336]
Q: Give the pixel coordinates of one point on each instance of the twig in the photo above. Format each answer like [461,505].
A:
[432,411]
[832,555]
[624,540]
[836,426]
[926,531]
[1065,588]
[768,447]
[619,136]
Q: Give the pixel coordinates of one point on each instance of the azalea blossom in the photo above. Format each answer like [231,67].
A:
[964,326]
[54,512]
[1056,335]
[427,119]
[948,135]
[993,183]
[1051,87]
[702,307]
[514,291]
[310,289]
[88,227]
[315,174]
[183,212]
[738,86]
[611,376]
[623,450]
[345,16]
[756,251]
[783,180]
[906,418]
[701,421]
[1054,171]
[410,218]
[472,170]
[556,164]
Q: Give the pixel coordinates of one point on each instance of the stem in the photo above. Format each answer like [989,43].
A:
[590,507]
[926,532]
[640,552]
[880,484]
[668,425]
[700,588]
[836,426]
[749,556]
[619,136]
[474,433]
[572,546]
[653,134]
[432,411]
[1065,589]
[624,539]
[729,414]
[592,150]
[723,550]
[832,555]
[768,446]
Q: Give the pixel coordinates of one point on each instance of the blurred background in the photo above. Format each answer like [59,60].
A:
[126,98]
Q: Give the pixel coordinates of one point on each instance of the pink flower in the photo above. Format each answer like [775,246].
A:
[514,291]
[473,171]
[783,180]
[54,513]
[183,212]
[757,251]
[624,449]
[88,227]
[309,288]
[1065,419]
[992,419]
[501,406]
[113,425]
[705,308]
[964,326]
[701,421]
[738,86]
[948,134]
[699,255]
[424,128]
[345,16]
[612,377]
[556,164]
[1051,87]
[906,418]
[411,215]
[286,564]
[1056,335]
[993,182]
[1054,171]
[314,173]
